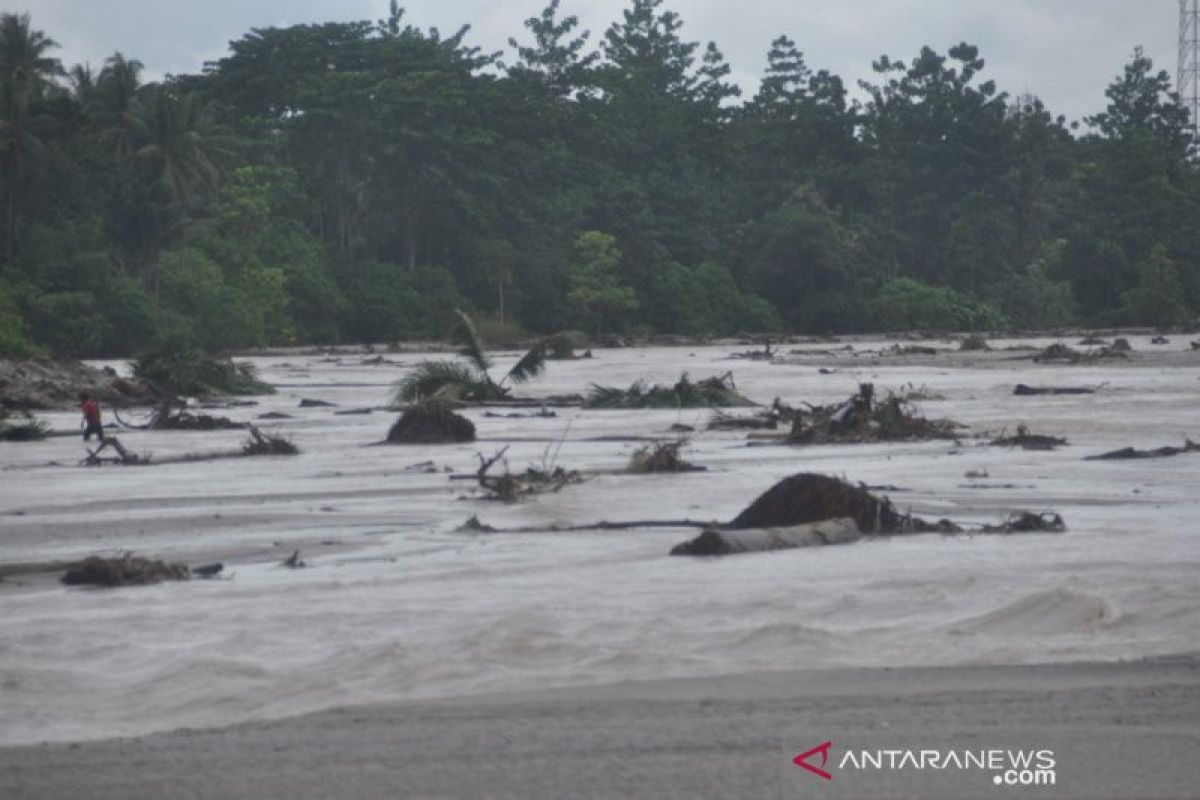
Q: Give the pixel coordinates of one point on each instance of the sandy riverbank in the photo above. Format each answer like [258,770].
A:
[1124,730]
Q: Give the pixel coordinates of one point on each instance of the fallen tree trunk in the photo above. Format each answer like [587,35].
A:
[1128,453]
[722,542]
[1021,390]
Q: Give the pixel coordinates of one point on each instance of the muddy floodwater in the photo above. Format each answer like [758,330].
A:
[397,603]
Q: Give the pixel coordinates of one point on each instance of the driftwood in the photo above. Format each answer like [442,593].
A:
[123,456]
[509,487]
[1028,441]
[1128,453]
[1021,390]
[721,542]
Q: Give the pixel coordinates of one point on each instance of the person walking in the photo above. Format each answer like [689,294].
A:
[91,417]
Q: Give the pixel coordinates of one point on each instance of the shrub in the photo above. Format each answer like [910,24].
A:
[907,304]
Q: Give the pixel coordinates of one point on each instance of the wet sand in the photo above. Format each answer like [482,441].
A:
[1125,730]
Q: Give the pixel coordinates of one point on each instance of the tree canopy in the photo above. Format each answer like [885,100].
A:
[362,180]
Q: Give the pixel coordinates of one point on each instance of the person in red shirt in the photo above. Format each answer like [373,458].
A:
[91,417]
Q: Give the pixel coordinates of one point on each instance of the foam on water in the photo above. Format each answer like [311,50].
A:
[418,609]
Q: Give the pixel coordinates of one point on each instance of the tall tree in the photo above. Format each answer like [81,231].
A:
[26,73]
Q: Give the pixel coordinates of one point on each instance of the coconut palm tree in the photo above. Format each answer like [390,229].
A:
[472,380]
[26,72]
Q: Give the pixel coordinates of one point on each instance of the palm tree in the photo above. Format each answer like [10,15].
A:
[176,151]
[26,72]
[114,103]
[470,381]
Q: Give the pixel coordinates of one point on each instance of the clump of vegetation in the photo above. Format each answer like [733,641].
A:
[431,421]
[125,570]
[661,457]
[472,381]
[177,369]
[261,444]
[906,304]
[912,393]
[715,392]
[28,429]
[974,343]
[862,419]
[562,345]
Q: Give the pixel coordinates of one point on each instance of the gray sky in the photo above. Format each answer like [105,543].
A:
[1065,51]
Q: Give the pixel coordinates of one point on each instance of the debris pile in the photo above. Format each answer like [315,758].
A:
[1028,522]
[1028,441]
[715,392]
[661,457]
[126,570]
[431,421]
[260,444]
[807,510]
[862,419]
[809,497]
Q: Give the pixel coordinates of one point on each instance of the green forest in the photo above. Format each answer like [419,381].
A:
[360,181]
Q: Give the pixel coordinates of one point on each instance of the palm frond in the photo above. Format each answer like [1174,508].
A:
[530,366]
[472,345]
[446,379]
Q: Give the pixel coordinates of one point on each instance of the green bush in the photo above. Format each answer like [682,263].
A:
[1158,298]
[176,368]
[386,302]
[907,304]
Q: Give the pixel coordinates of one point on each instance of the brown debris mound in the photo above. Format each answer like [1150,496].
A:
[46,383]
[862,419]
[127,570]
[809,497]
[661,457]
[431,422]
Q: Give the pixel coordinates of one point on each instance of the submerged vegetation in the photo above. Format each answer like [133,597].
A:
[715,392]
[28,429]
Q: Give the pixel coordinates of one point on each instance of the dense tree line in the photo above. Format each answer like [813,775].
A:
[360,181]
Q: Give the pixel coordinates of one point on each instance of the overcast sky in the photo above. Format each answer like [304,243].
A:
[1064,51]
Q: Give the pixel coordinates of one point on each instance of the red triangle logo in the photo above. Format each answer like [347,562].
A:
[802,760]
